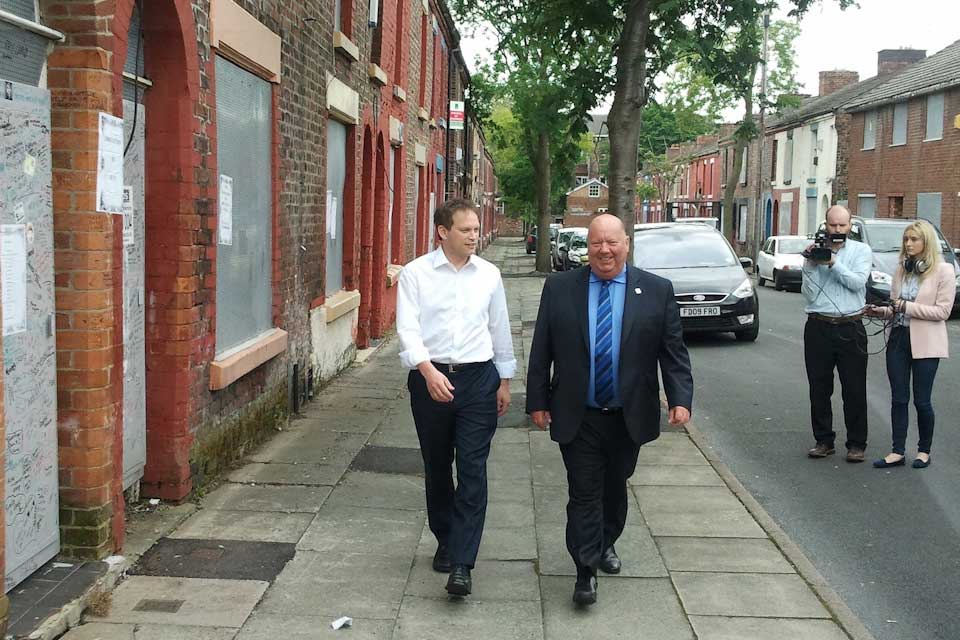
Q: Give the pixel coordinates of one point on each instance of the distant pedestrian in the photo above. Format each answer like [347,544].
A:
[602,332]
[834,336]
[455,337]
[922,296]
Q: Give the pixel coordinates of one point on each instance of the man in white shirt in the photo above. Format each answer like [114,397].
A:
[455,338]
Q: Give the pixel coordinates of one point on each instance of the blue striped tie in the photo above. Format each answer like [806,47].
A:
[603,349]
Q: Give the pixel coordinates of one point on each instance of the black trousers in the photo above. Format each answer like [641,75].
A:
[599,461]
[461,429]
[842,347]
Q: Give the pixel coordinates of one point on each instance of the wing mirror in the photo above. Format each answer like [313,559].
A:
[746,263]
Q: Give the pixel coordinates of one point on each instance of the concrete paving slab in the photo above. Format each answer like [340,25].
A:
[107,631]
[297,474]
[265,626]
[676,475]
[282,499]
[467,619]
[188,602]
[747,595]
[364,489]
[493,580]
[672,449]
[551,505]
[393,460]
[732,555]
[337,419]
[512,436]
[395,438]
[245,525]
[626,609]
[319,447]
[508,543]
[721,628]
[359,585]
[504,490]
[510,453]
[344,528]
[508,514]
[513,471]
[636,549]
[696,511]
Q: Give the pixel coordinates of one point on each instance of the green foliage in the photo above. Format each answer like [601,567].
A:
[667,124]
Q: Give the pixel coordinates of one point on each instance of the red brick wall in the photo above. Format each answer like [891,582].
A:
[581,207]
[916,167]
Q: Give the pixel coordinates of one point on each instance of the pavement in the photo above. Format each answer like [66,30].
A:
[327,519]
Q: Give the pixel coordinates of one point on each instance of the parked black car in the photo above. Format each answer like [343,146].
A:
[532,240]
[885,236]
[710,282]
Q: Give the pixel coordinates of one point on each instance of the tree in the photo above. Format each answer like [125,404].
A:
[668,123]
[552,76]
[662,171]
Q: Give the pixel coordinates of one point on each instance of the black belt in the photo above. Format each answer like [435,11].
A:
[607,411]
[835,319]
[455,368]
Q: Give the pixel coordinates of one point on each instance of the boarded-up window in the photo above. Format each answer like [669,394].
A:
[336,177]
[934,117]
[928,207]
[743,167]
[869,130]
[337,15]
[899,124]
[788,159]
[244,266]
[867,206]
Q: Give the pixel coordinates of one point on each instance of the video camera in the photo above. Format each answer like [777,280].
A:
[822,250]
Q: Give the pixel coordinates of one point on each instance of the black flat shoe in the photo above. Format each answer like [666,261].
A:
[441,560]
[585,591]
[459,583]
[610,561]
[883,464]
[920,464]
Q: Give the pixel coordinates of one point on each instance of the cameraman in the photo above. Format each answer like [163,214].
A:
[834,336]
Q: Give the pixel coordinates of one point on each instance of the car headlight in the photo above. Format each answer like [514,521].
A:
[879,277]
[745,290]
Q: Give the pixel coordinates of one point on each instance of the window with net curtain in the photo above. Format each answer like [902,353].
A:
[244,260]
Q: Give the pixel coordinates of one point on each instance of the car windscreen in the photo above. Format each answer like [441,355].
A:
[888,238]
[792,245]
[678,249]
[579,242]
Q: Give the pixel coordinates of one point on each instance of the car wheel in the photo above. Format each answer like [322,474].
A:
[760,279]
[777,281]
[750,335]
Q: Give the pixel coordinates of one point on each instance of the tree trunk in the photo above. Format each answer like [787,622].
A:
[733,178]
[626,111]
[541,169]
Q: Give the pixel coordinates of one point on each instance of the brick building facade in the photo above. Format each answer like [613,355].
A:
[584,202]
[285,146]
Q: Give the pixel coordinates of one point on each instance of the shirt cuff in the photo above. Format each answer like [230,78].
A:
[507,369]
[413,357]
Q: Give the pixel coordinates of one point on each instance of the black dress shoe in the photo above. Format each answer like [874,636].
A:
[610,561]
[441,559]
[459,583]
[585,591]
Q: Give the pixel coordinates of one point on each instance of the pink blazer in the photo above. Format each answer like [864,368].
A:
[928,314]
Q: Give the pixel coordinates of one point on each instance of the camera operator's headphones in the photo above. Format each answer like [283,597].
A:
[912,265]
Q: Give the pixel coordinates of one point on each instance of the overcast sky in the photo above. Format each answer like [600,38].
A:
[835,39]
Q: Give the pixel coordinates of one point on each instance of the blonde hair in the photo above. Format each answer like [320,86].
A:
[931,245]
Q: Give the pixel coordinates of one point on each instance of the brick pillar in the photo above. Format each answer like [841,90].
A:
[86,264]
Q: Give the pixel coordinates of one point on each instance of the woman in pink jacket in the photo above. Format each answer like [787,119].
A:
[921,297]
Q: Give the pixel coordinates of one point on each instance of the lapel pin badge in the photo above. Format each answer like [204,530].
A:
[638,291]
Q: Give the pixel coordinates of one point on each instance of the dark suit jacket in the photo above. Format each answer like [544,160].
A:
[650,335]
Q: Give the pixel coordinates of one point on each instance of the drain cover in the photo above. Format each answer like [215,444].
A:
[215,559]
[399,460]
[159,606]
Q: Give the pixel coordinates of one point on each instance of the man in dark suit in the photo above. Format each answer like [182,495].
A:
[604,329]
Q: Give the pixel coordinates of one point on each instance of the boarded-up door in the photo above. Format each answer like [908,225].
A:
[29,344]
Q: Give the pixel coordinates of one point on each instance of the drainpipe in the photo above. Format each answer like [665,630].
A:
[446,177]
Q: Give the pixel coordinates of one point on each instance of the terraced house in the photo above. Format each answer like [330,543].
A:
[206,206]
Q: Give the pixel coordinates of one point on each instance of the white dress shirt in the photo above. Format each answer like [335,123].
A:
[453,317]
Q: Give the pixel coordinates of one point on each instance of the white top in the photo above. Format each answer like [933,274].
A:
[453,317]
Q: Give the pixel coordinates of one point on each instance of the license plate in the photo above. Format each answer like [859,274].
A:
[699,312]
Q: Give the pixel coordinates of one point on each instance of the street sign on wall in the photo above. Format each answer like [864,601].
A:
[456,115]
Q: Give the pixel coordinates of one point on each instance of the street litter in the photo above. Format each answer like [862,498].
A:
[341,622]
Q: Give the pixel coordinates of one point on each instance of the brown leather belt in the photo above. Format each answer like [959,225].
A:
[835,319]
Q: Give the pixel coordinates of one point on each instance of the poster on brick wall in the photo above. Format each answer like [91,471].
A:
[110,165]
[456,115]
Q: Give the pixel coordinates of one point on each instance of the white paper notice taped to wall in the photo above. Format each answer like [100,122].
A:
[225,222]
[13,266]
[128,235]
[110,165]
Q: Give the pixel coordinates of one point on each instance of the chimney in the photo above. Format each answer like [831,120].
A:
[892,60]
[727,130]
[832,81]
